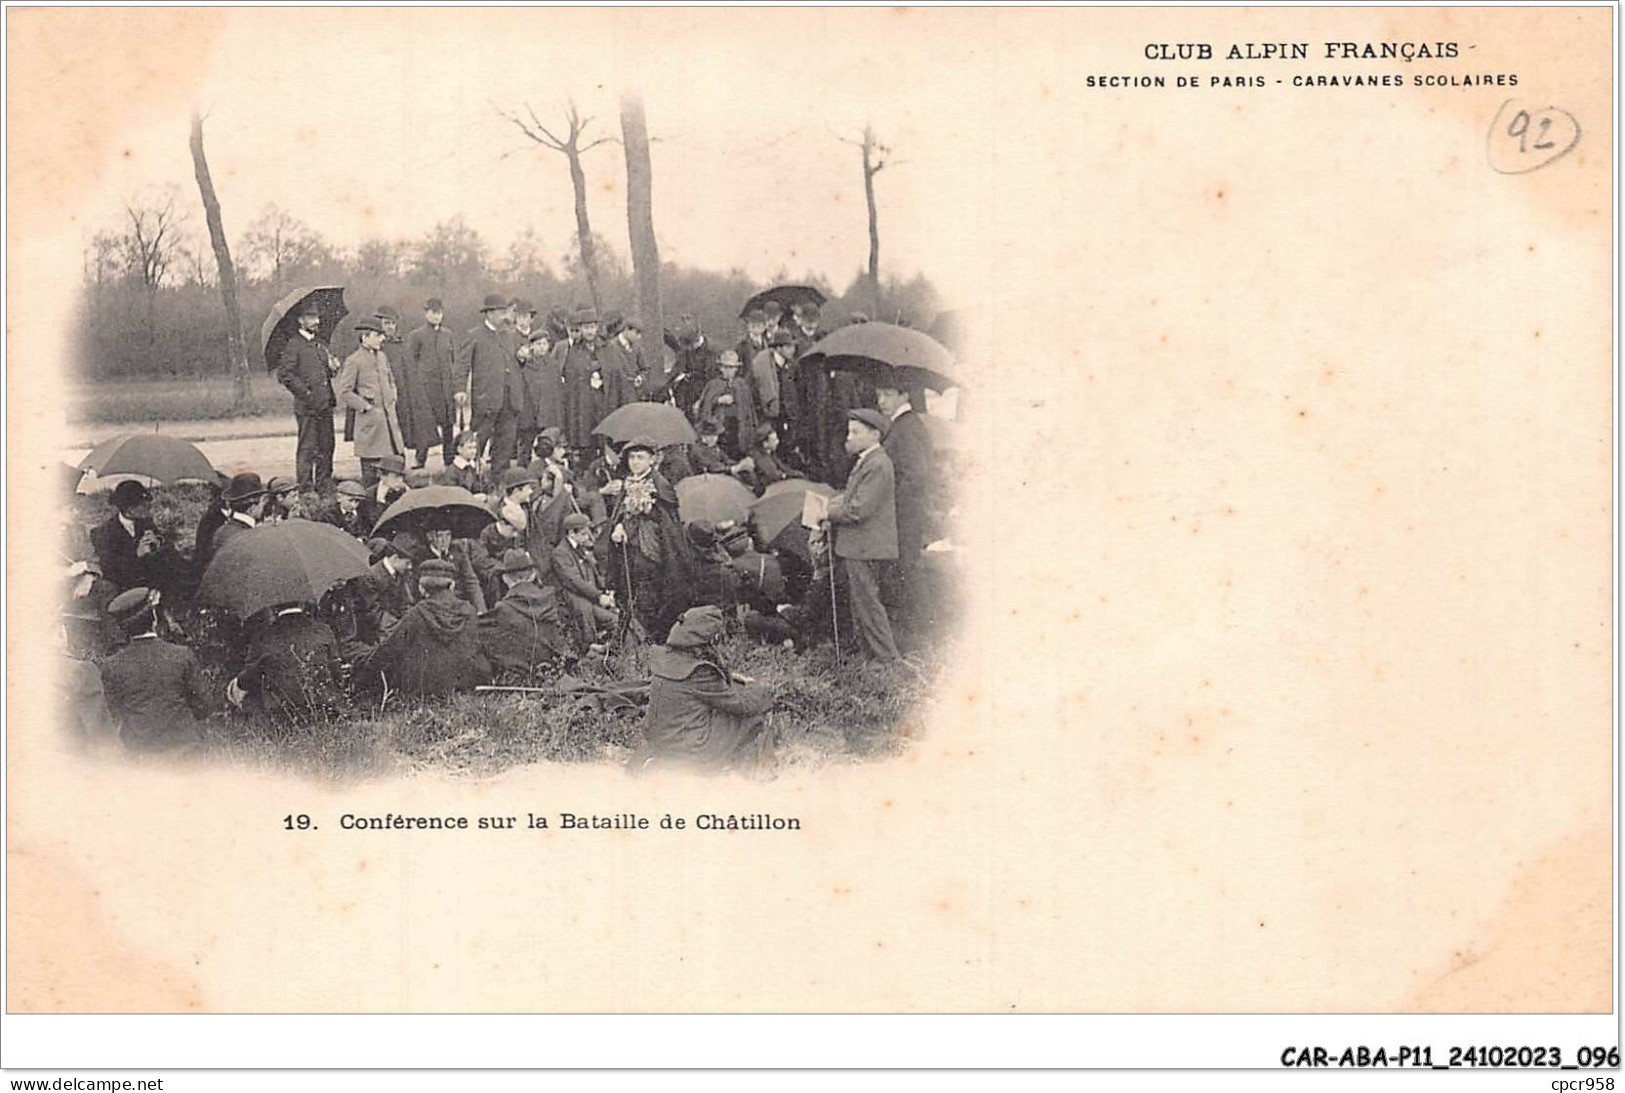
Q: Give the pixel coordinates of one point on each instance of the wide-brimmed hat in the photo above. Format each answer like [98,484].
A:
[516,561]
[242,487]
[872,418]
[494,301]
[128,494]
[698,626]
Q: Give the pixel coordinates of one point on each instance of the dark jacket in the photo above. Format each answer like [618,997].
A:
[382,600]
[155,692]
[708,459]
[692,367]
[698,716]
[434,650]
[521,633]
[292,669]
[584,405]
[909,446]
[486,358]
[413,410]
[543,381]
[116,550]
[467,477]
[431,360]
[303,371]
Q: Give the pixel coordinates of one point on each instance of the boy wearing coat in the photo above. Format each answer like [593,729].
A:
[366,385]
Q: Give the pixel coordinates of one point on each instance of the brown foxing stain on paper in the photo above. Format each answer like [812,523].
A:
[65,954]
[1549,948]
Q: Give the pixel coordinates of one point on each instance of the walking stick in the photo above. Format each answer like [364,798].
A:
[834,606]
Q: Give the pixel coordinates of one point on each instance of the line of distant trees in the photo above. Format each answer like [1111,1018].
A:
[151,307]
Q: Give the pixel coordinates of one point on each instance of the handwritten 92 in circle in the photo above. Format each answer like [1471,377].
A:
[1524,138]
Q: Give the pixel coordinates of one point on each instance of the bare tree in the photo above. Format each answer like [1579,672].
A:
[150,246]
[278,248]
[236,351]
[640,222]
[875,158]
[571,147]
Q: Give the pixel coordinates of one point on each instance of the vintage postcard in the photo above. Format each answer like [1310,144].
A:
[862,511]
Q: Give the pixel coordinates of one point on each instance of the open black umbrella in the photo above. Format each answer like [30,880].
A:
[291,561]
[165,459]
[880,350]
[786,296]
[284,319]
[435,506]
[661,422]
[777,514]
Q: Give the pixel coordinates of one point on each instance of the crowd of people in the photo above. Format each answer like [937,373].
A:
[582,550]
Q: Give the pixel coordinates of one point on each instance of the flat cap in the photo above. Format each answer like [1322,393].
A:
[872,418]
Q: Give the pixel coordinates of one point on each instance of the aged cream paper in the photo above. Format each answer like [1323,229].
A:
[1287,684]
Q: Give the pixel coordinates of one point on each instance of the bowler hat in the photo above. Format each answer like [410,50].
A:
[386,312]
[391,464]
[129,494]
[433,304]
[576,520]
[614,321]
[697,626]
[242,487]
[523,306]
[494,301]
[366,323]
[410,545]
[872,418]
[781,336]
[516,561]
[128,602]
[348,488]
[437,567]
[514,477]
[702,533]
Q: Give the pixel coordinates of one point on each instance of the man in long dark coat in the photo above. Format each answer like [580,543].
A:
[431,360]
[693,366]
[306,369]
[908,444]
[584,379]
[488,362]
[412,410]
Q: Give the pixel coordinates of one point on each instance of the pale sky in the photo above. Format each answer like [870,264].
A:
[381,123]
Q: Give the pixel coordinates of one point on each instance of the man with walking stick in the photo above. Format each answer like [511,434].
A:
[863,520]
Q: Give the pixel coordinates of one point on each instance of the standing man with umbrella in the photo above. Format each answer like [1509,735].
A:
[366,384]
[488,362]
[909,446]
[431,361]
[306,369]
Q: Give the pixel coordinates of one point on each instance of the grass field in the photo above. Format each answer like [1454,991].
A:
[823,712]
[118,402]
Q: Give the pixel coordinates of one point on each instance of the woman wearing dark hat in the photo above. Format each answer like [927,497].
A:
[700,714]
[648,552]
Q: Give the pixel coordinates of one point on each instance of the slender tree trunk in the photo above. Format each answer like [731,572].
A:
[874,223]
[235,349]
[589,259]
[640,214]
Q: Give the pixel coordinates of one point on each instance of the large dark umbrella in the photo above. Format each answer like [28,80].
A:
[435,506]
[777,514]
[150,455]
[880,350]
[291,561]
[713,497]
[763,572]
[661,422]
[787,297]
[284,319]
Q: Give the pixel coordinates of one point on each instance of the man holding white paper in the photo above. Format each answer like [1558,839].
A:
[863,518]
